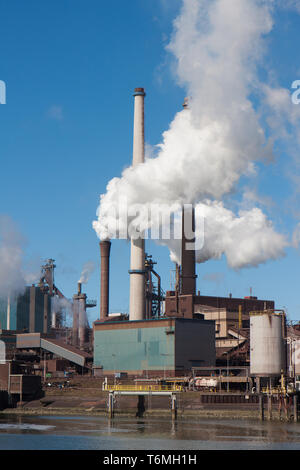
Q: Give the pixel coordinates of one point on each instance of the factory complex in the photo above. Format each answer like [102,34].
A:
[211,344]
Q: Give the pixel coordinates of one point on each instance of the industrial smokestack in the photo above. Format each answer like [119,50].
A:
[137,259]
[75,309]
[8,313]
[82,320]
[104,282]
[188,258]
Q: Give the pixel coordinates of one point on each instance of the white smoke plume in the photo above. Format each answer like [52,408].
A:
[87,270]
[12,277]
[59,304]
[217,46]
[15,273]
[246,240]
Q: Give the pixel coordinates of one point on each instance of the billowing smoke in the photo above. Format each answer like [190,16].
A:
[217,46]
[246,240]
[59,304]
[62,307]
[13,277]
[87,270]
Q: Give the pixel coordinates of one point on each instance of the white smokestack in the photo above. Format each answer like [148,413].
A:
[137,258]
[8,313]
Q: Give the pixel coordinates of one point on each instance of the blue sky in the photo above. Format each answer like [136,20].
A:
[70,68]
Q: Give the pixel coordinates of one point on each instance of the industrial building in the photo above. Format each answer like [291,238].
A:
[192,330]
[170,334]
[154,347]
[30,311]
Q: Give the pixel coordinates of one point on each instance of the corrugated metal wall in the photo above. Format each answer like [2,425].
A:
[134,349]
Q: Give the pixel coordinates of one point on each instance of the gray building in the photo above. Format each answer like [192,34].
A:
[30,311]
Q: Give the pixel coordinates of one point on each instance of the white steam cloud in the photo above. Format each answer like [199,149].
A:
[246,240]
[13,278]
[217,46]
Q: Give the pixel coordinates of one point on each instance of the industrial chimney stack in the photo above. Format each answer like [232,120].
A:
[79,318]
[188,256]
[137,260]
[104,286]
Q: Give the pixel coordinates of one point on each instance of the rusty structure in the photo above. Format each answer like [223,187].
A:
[80,333]
[154,292]
[48,287]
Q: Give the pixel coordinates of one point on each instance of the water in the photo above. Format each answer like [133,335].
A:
[98,433]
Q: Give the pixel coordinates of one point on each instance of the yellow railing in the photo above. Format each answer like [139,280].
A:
[273,391]
[267,312]
[142,388]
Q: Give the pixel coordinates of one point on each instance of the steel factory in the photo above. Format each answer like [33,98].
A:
[212,345]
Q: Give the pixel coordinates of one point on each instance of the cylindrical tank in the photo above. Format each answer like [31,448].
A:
[267,348]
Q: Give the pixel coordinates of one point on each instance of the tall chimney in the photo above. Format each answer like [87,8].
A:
[82,320]
[188,258]
[104,282]
[8,313]
[75,309]
[137,259]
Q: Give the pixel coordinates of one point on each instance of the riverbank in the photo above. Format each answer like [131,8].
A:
[85,397]
[216,414]
[68,403]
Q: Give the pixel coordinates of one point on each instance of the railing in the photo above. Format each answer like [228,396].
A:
[142,388]
[267,312]
[273,391]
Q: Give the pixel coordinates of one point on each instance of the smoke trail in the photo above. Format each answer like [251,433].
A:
[87,270]
[217,46]
[12,278]
[14,272]
[246,240]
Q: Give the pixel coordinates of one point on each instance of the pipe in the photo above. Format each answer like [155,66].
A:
[104,276]
[8,313]
[137,257]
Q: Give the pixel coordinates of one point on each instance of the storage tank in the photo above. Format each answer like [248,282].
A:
[267,346]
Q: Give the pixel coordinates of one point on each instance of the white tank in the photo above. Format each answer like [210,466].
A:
[267,348]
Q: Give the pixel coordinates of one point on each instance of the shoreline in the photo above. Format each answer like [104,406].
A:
[214,414]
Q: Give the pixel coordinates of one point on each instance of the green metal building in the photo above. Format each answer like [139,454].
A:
[168,345]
